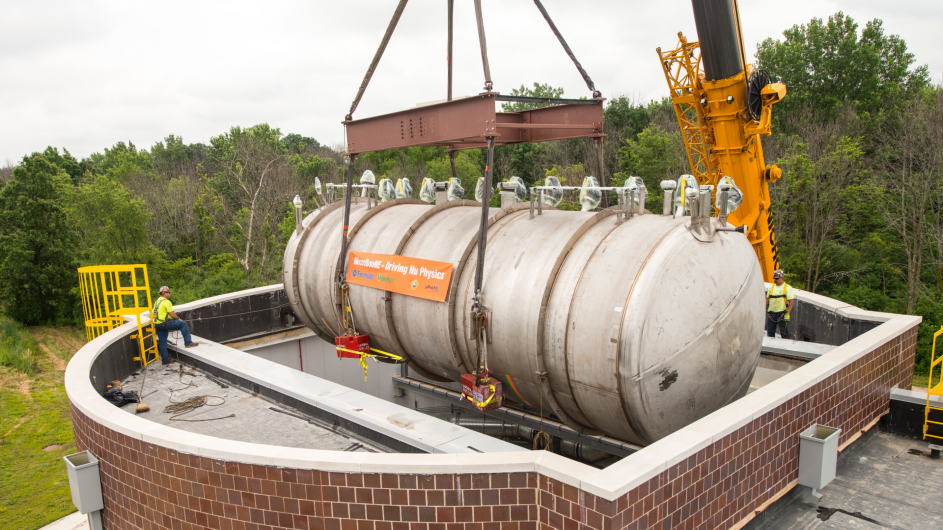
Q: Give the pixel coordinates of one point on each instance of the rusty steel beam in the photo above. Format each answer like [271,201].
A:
[468,123]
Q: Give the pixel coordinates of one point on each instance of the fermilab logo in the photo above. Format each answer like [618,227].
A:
[358,274]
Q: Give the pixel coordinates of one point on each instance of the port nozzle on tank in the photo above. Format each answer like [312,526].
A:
[669,188]
[298,204]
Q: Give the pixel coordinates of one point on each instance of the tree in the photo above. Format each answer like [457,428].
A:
[539,91]
[297,144]
[64,162]
[172,158]
[821,185]
[825,65]
[113,224]
[249,192]
[912,149]
[655,155]
[120,153]
[37,244]
[466,167]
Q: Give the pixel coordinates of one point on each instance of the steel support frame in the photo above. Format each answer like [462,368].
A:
[467,124]
[551,427]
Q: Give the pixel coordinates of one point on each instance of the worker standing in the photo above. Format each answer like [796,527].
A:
[165,321]
[779,300]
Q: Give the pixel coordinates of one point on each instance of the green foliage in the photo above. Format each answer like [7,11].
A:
[124,155]
[64,162]
[307,169]
[539,91]
[112,223]
[824,65]
[172,158]
[385,163]
[37,244]
[823,188]
[467,167]
[655,155]
[297,144]
[219,274]
[630,118]
[17,347]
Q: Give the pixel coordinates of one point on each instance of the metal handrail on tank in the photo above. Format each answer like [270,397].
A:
[622,210]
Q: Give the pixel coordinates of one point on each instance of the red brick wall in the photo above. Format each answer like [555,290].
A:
[147,486]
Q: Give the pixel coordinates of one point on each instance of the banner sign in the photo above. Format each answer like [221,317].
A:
[421,278]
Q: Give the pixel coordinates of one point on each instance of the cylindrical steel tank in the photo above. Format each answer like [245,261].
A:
[632,329]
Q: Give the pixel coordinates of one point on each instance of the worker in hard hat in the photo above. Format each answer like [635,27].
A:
[779,301]
[165,321]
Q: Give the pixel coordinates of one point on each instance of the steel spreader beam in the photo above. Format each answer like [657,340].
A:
[468,123]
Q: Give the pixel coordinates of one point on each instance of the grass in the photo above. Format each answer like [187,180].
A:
[922,380]
[34,415]
[17,347]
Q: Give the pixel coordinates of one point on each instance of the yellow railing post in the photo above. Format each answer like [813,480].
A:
[933,390]
[112,292]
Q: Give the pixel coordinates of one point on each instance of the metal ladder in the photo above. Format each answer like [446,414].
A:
[934,390]
[145,333]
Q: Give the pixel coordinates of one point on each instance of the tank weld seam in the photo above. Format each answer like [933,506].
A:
[727,310]
[466,261]
[634,425]
[545,386]
[569,314]
[370,214]
[453,288]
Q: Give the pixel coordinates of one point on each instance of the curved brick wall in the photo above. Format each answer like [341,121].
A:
[713,474]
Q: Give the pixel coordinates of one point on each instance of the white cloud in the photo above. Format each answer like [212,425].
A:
[86,75]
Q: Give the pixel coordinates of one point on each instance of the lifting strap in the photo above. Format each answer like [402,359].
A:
[569,52]
[484,45]
[485,403]
[376,58]
[364,355]
[449,51]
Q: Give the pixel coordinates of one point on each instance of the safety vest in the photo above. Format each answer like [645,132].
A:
[769,293]
[770,290]
[155,313]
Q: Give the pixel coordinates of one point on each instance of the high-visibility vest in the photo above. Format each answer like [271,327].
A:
[155,312]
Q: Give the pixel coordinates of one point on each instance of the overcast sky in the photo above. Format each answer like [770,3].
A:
[84,75]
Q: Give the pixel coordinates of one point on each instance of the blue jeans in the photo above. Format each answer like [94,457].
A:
[774,320]
[166,327]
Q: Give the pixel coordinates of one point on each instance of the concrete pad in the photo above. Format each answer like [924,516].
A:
[73,521]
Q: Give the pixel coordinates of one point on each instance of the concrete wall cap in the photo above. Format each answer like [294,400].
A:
[610,483]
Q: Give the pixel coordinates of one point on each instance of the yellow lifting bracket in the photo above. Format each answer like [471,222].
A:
[934,390]
[364,355]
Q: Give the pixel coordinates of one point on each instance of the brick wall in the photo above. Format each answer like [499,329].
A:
[147,486]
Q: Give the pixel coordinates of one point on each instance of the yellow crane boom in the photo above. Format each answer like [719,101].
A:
[723,105]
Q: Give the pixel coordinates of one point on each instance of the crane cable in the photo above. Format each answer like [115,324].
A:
[566,48]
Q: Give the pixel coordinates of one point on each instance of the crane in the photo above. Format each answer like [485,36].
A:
[723,105]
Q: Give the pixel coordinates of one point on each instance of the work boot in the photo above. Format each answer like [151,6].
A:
[168,362]
[192,344]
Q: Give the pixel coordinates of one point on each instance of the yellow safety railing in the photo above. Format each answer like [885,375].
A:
[934,389]
[112,292]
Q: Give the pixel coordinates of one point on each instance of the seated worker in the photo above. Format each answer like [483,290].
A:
[779,300]
[165,321]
